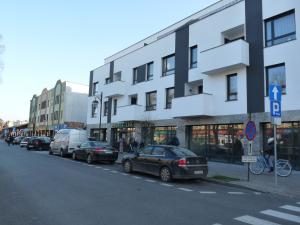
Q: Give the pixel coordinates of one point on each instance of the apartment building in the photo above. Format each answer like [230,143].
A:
[63,106]
[202,78]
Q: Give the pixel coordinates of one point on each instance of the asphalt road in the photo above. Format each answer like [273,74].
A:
[38,189]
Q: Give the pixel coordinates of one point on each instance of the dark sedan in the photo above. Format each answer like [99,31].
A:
[167,162]
[39,143]
[92,151]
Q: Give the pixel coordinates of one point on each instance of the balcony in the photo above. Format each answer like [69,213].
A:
[114,89]
[223,58]
[192,106]
[129,113]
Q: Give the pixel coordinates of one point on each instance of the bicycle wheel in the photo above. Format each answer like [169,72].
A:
[257,168]
[284,168]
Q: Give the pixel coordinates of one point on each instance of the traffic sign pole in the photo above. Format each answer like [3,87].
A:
[275,154]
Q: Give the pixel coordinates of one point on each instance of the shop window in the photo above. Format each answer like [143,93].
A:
[162,135]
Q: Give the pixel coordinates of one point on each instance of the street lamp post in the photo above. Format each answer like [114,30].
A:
[100,114]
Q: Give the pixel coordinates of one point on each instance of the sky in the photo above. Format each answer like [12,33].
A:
[48,40]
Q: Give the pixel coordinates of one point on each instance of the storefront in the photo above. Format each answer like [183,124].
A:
[288,141]
[95,134]
[162,135]
[127,134]
[221,143]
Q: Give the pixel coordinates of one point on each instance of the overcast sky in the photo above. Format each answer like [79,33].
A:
[47,40]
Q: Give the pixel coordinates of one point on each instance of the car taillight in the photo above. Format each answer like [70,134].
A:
[99,149]
[182,162]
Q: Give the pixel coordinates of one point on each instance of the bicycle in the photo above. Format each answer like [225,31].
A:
[284,168]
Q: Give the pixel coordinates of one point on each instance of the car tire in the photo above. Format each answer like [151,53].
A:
[74,156]
[165,174]
[127,166]
[89,159]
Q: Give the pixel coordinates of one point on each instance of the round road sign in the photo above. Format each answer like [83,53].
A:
[250,131]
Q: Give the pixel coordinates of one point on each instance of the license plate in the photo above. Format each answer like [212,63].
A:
[198,172]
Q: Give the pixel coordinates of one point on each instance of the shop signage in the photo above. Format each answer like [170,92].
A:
[275,100]
[249,158]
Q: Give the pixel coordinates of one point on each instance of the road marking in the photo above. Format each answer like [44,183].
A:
[136,177]
[185,189]
[257,193]
[113,171]
[291,208]
[151,181]
[208,192]
[281,215]
[106,169]
[98,167]
[217,224]
[235,193]
[125,174]
[166,185]
[90,165]
[254,221]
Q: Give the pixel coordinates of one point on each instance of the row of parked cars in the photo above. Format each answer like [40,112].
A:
[36,143]
[165,161]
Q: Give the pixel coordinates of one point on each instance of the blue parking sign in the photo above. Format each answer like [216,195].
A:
[275,92]
[275,108]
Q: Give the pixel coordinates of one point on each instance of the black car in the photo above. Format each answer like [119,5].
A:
[166,161]
[39,143]
[92,151]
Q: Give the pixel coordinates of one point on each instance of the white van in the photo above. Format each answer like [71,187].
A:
[66,141]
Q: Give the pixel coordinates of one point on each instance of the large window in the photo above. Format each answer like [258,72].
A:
[44,105]
[105,108]
[276,75]
[162,135]
[232,92]
[151,101]
[169,97]
[115,106]
[280,29]
[94,109]
[150,71]
[95,88]
[193,57]
[168,65]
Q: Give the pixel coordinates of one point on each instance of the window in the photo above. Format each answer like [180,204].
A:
[276,75]
[158,151]
[229,40]
[115,106]
[146,150]
[150,71]
[105,108]
[117,76]
[57,99]
[133,100]
[168,66]
[169,97]
[232,92]
[94,109]
[200,89]
[193,57]
[135,76]
[151,101]
[44,105]
[107,80]
[95,88]
[280,29]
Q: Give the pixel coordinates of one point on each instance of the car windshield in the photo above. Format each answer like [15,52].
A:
[98,144]
[182,152]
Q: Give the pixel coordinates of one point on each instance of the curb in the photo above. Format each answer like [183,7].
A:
[211,180]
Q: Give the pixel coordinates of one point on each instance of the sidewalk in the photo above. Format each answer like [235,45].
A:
[287,186]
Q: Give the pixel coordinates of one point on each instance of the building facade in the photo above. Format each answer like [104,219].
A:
[202,78]
[64,106]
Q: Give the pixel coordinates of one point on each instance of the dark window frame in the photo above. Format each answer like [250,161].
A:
[115,106]
[229,93]
[273,38]
[165,70]
[94,108]
[169,104]
[267,77]
[193,62]
[105,109]
[150,107]
[95,84]
[135,76]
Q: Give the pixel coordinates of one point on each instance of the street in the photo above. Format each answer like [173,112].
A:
[37,188]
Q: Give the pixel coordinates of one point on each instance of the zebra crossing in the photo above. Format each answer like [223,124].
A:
[285,214]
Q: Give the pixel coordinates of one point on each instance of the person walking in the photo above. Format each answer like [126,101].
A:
[270,154]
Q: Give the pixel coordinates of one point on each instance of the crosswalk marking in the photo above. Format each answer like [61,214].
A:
[254,221]
[125,174]
[185,189]
[235,193]
[208,192]
[282,215]
[113,171]
[98,167]
[291,208]
[136,177]
[166,185]
[257,193]
[151,181]
[106,169]
[217,224]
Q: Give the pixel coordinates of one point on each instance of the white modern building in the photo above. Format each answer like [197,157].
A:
[63,106]
[203,78]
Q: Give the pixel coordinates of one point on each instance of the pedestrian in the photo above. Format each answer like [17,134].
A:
[269,154]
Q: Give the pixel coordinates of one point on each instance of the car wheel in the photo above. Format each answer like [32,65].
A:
[74,156]
[165,174]
[89,159]
[127,166]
